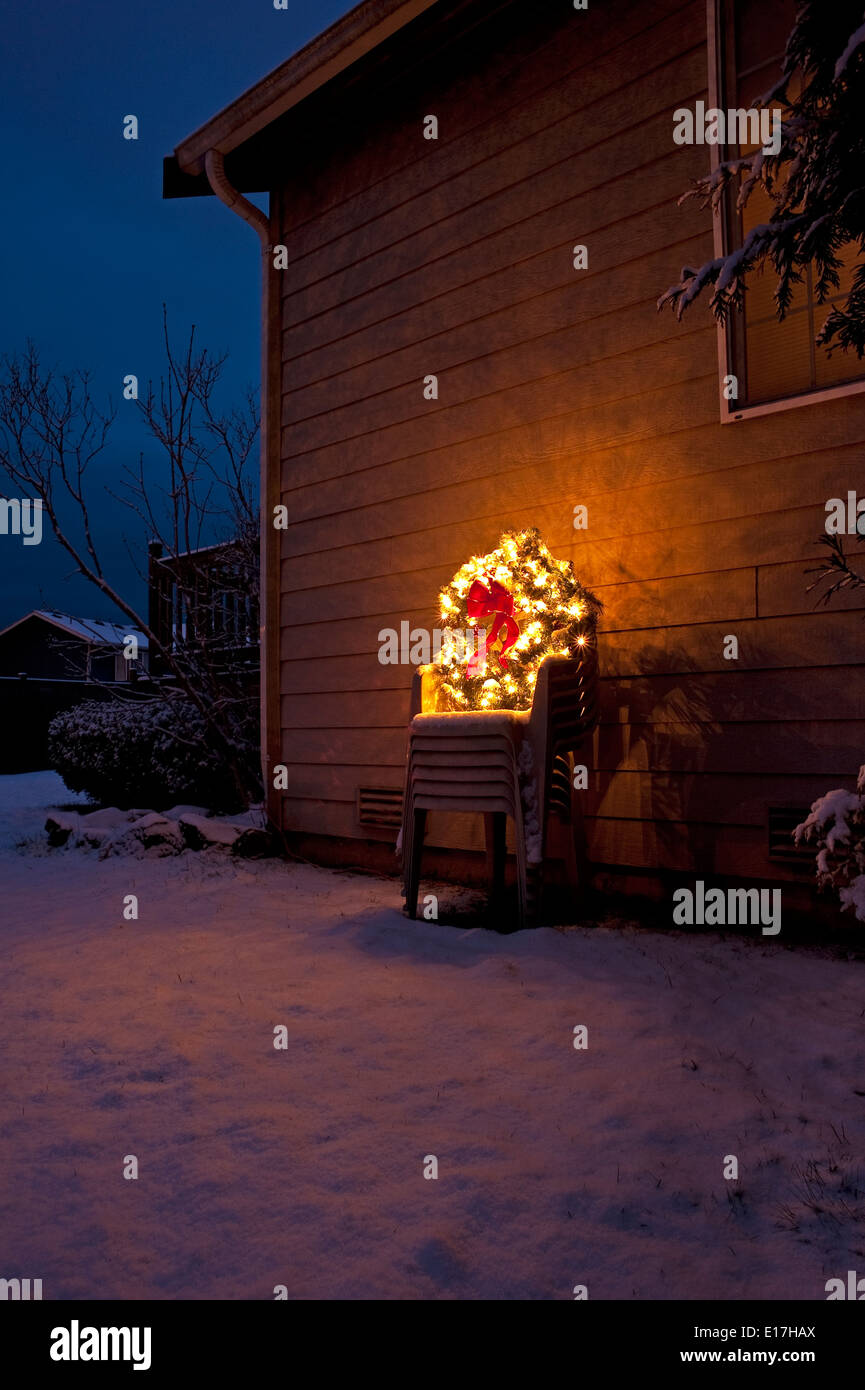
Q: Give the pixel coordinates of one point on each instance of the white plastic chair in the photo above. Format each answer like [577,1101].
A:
[501,763]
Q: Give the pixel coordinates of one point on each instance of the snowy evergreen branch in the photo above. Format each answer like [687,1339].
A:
[814,182]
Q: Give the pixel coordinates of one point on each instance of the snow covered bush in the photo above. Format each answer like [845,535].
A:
[152,753]
[836,825]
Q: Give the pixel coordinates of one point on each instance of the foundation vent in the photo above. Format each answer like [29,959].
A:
[381,806]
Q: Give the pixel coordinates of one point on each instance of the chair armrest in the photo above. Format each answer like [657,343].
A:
[416,699]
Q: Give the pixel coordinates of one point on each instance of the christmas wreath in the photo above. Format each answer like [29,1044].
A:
[520,605]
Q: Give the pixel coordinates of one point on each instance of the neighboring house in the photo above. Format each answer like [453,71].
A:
[51,661]
[408,257]
[55,646]
[203,599]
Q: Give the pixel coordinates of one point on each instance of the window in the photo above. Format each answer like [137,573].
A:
[123,667]
[771,361]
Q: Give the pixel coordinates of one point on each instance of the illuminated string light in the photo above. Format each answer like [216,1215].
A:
[554,613]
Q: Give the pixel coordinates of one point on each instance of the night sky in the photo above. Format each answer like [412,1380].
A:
[89,249]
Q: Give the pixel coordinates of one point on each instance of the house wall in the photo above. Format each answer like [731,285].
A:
[556,387]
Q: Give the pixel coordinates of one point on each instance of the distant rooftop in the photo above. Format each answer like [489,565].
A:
[92,630]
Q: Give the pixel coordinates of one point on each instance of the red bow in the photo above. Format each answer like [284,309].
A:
[481,602]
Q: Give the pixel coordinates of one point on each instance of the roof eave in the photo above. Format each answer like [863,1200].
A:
[350,38]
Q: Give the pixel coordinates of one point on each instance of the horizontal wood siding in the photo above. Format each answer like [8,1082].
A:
[556,387]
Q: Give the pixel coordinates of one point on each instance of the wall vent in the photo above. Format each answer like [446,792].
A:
[782,850]
[380,806]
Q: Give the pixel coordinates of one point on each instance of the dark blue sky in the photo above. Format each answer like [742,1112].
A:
[88,249]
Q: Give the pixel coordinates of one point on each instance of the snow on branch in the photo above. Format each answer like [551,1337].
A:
[857,38]
[835,825]
[813,179]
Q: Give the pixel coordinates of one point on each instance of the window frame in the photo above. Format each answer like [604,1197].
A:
[719,38]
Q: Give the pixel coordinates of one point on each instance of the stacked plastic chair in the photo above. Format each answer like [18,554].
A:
[502,763]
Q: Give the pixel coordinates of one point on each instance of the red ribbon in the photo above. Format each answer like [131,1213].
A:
[482,601]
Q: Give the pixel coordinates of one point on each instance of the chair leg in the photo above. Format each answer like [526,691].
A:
[572,867]
[522,864]
[578,856]
[495,830]
[534,883]
[533,869]
[413,858]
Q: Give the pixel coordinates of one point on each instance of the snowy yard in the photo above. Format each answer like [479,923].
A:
[304,1166]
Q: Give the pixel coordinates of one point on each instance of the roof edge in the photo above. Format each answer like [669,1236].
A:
[331,52]
[55,619]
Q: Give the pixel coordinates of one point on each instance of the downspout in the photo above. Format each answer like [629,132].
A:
[214,165]
[269,480]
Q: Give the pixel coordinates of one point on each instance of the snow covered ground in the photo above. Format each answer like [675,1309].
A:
[304,1167]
